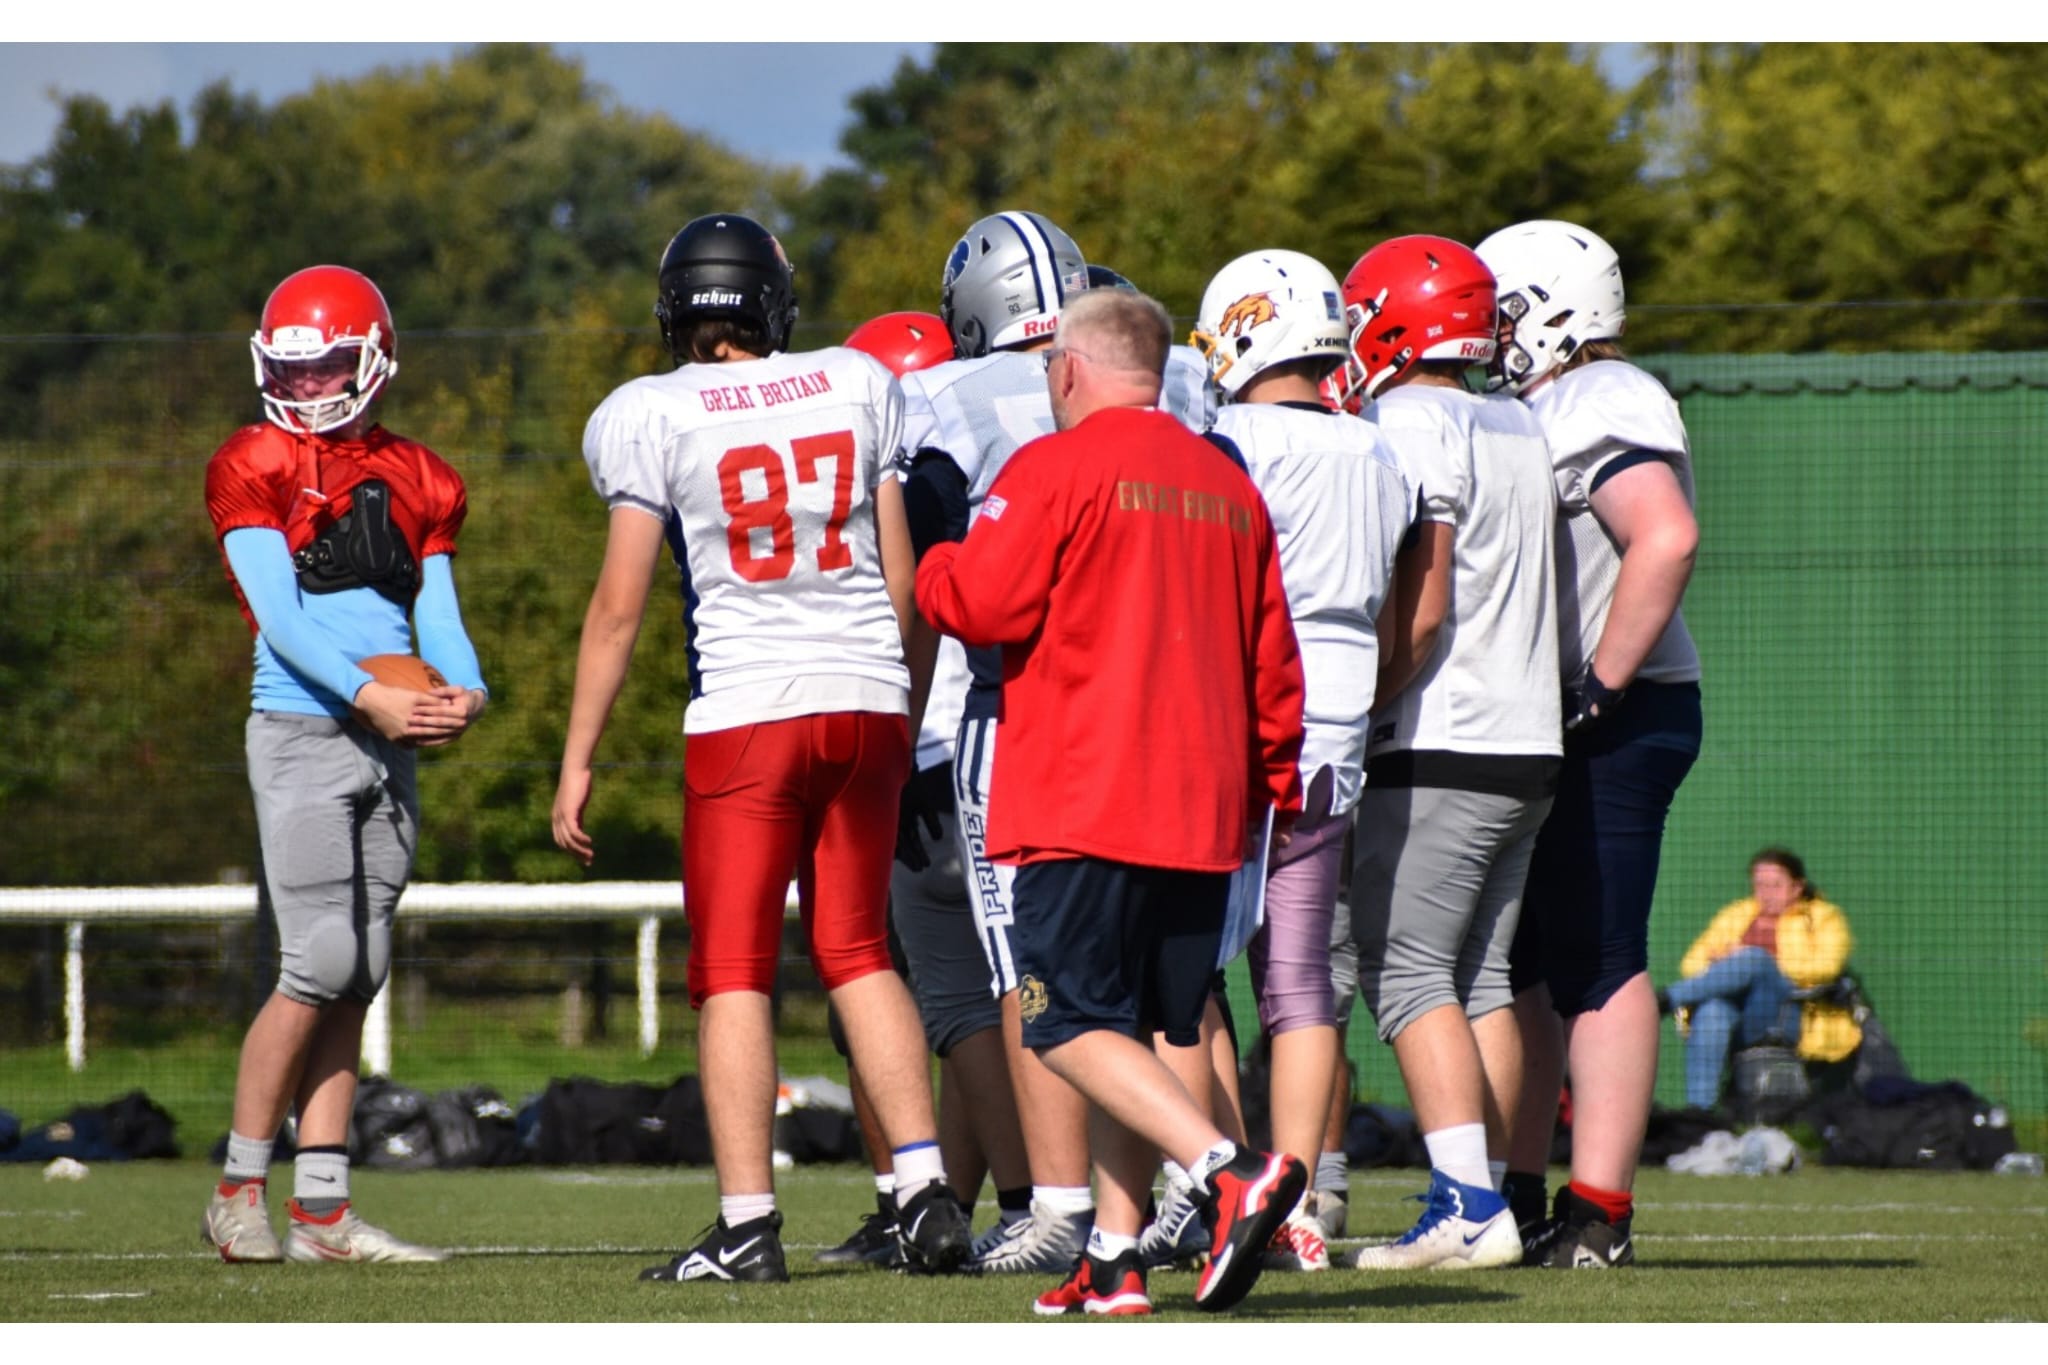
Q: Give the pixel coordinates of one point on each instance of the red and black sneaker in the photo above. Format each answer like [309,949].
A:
[1248,1199]
[1110,1289]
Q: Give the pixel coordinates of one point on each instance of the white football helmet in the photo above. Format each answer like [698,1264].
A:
[1560,287]
[1265,309]
[1006,280]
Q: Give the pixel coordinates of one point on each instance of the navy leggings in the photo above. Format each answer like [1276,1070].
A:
[1585,926]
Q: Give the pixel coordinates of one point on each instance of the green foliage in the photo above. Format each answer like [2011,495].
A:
[1825,172]
[1167,160]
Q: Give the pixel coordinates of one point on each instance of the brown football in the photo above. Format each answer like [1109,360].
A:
[403,670]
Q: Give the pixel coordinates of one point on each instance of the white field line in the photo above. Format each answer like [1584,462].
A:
[1664,1206]
[614,1249]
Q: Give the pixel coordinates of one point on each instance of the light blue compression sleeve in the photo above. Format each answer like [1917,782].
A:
[262,565]
[437,617]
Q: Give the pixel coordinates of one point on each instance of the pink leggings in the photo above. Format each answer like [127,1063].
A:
[1290,958]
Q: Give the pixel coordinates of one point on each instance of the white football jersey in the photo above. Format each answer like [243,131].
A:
[978,412]
[1479,464]
[765,473]
[1186,390]
[1593,416]
[1340,506]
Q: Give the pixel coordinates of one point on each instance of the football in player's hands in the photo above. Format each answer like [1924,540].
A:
[408,671]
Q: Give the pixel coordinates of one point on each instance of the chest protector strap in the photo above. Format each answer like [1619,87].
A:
[363,549]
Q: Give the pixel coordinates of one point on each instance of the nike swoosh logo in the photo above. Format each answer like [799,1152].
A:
[1473,1240]
[323,1179]
[727,1255]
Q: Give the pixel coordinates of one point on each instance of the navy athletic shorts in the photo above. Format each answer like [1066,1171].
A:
[1105,945]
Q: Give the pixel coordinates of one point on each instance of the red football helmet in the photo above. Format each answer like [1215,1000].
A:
[1413,299]
[904,341]
[324,322]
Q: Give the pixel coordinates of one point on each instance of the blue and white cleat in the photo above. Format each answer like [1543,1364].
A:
[1463,1227]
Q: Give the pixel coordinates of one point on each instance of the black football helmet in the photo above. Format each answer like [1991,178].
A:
[1102,277]
[725,265]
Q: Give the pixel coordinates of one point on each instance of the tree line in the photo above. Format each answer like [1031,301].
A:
[506,189]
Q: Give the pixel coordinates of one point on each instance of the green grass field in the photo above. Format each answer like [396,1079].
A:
[565,1245]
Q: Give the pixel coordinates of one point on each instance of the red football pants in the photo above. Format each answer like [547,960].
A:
[816,795]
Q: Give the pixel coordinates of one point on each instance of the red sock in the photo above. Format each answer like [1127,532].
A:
[1616,1204]
[299,1214]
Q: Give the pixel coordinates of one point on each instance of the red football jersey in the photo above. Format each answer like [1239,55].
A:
[267,477]
[1152,685]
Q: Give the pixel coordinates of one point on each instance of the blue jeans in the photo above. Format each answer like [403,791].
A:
[1743,998]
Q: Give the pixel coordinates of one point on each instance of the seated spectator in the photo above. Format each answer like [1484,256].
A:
[1742,979]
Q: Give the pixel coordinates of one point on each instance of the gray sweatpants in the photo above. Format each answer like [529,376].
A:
[337,807]
[1436,890]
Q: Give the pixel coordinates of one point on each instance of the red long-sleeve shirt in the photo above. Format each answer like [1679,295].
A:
[1152,690]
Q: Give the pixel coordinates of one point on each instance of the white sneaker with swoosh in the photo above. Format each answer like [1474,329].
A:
[349,1240]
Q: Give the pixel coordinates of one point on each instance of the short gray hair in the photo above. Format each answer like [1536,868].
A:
[1119,329]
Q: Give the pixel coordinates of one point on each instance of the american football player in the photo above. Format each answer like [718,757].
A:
[339,539]
[764,471]
[1463,751]
[1622,466]
[1272,329]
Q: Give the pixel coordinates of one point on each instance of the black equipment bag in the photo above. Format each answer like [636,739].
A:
[584,1122]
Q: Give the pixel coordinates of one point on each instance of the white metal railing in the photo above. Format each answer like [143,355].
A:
[77,906]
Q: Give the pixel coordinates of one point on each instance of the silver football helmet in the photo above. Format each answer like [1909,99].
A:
[1006,281]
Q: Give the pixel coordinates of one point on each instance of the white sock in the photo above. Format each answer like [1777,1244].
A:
[248,1159]
[917,1165]
[885,1184]
[736,1209]
[1107,1246]
[1213,1160]
[1460,1153]
[1063,1198]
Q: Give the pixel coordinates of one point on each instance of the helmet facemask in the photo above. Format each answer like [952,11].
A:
[1361,382]
[293,354]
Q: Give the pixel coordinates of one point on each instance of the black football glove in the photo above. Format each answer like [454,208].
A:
[1588,701]
[915,808]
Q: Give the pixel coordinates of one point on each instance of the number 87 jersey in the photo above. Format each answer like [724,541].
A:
[765,473]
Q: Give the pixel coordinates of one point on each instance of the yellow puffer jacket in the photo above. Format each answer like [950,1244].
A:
[1813,949]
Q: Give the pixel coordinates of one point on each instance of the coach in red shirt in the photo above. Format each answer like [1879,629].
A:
[1152,702]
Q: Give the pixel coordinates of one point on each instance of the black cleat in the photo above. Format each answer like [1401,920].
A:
[933,1231]
[751,1252]
[1581,1238]
[874,1242]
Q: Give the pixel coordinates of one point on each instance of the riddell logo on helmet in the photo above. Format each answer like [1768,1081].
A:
[1475,350]
[1038,327]
[716,298]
